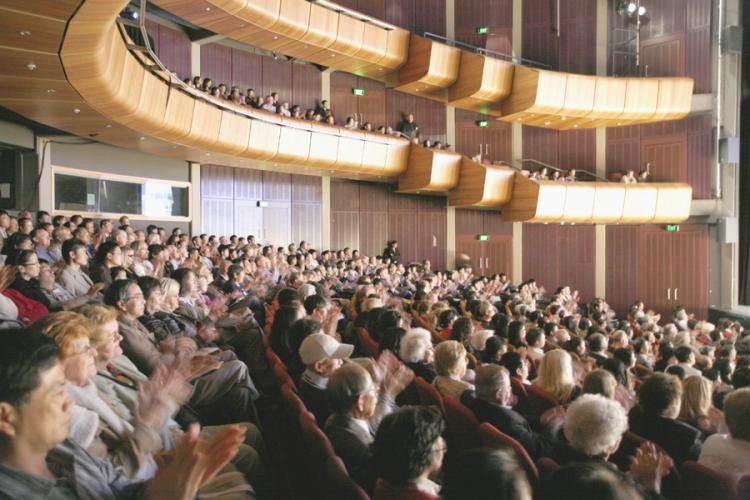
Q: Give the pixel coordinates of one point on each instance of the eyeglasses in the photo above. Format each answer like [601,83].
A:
[86,350]
[136,296]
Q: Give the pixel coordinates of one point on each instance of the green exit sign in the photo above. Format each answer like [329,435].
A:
[483,237]
[483,123]
[673,228]
[358,91]
[483,30]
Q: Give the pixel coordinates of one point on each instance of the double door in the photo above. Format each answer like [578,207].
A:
[487,257]
[673,269]
[493,142]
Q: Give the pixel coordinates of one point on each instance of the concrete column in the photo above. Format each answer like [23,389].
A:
[517,143]
[325,85]
[195,58]
[44,151]
[600,254]
[450,238]
[196,223]
[450,19]
[325,214]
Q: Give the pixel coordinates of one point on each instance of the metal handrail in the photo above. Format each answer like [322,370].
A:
[561,170]
[487,52]
[175,82]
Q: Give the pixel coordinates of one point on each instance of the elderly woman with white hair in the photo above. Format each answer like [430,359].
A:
[417,353]
[451,364]
[593,428]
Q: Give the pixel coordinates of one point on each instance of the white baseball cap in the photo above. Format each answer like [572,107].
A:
[320,346]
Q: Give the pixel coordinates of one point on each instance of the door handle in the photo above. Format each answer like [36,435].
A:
[487,149]
[675,294]
[669,294]
[487,263]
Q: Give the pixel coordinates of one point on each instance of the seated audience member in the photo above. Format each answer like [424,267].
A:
[450,364]
[223,391]
[408,449]
[730,453]
[352,396]
[417,352]
[27,279]
[108,255]
[94,425]
[118,380]
[41,239]
[590,481]
[492,404]
[298,332]
[686,360]
[72,276]
[484,474]
[624,393]
[322,355]
[38,461]
[60,298]
[593,428]
[600,382]
[555,376]
[598,348]
[494,349]
[697,407]
[677,371]
[283,319]
[536,340]
[655,418]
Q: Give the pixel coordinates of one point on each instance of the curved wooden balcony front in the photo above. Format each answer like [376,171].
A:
[345,40]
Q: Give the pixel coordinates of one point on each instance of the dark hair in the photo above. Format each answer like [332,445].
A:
[588,481]
[404,442]
[446,317]
[658,393]
[512,361]
[148,284]
[677,371]
[724,367]
[573,344]
[741,377]
[596,342]
[298,332]
[314,302]
[484,474]
[117,291]
[70,246]
[390,339]
[500,322]
[625,355]
[117,270]
[492,346]
[283,320]
[618,369]
[180,275]
[533,335]
[683,353]
[104,249]
[234,270]
[287,296]
[154,249]
[23,358]
[23,257]
[461,330]
[388,319]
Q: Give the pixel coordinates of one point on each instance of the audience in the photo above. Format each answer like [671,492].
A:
[180,343]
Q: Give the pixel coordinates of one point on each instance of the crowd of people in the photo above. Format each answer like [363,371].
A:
[134,361]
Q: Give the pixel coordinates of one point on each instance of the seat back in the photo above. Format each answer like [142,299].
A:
[463,426]
[293,404]
[537,402]
[428,394]
[366,344]
[273,358]
[494,438]
[408,396]
[282,376]
[317,449]
[701,483]
[546,467]
[338,484]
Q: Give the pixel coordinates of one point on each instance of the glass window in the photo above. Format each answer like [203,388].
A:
[114,196]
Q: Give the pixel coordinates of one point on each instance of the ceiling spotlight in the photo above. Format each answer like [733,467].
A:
[547,122]
[563,118]
[135,14]
[51,91]
[108,125]
[24,33]
[31,66]
[76,110]
[142,138]
[632,7]
[208,9]
[641,10]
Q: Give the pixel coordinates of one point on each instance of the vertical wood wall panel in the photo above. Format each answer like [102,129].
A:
[247,69]
[577,261]
[305,85]
[700,161]
[277,77]
[538,262]
[577,149]
[540,144]
[429,115]
[621,264]
[216,63]
[577,40]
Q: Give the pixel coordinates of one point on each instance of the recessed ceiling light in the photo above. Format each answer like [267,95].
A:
[24,33]
[51,91]
[575,126]
[208,9]
[143,138]
[31,66]
[547,122]
[208,154]
[109,125]
[618,124]
[563,118]
[76,110]
[275,38]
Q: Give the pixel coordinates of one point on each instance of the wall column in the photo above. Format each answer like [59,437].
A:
[517,143]
[325,215]
[196,224]
[44,196]
[600,254]
[195,58]
[450,138]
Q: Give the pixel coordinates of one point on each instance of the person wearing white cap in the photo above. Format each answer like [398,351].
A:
[322,355]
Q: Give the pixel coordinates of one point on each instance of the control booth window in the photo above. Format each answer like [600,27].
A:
[78,191]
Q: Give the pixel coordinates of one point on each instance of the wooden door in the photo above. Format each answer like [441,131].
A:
[498,255]
[471,247]
[277,223]
[655,263]
[690,268]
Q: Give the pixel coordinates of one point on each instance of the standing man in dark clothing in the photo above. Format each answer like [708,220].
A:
[392,252]
[409,127]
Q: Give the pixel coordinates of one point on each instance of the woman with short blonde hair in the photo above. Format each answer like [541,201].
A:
[555,375]
[697,408]
[450,364]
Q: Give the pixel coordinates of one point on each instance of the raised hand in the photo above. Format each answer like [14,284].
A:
[649,465]
[195,462]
